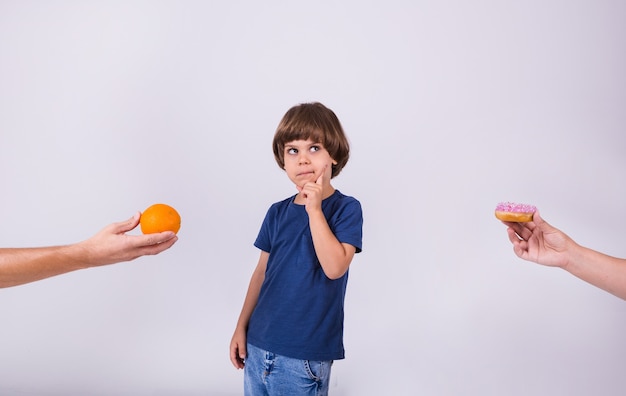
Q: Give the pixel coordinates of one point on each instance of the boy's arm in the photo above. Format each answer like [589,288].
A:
[110,245]
[334,257]
[238,342]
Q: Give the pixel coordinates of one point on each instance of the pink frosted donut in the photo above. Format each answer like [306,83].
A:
[514,212]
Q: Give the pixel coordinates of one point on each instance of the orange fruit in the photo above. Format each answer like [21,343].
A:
[158,218]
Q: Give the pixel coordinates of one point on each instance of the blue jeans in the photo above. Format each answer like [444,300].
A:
[268,374]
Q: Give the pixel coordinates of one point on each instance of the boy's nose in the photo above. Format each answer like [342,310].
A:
[303,159]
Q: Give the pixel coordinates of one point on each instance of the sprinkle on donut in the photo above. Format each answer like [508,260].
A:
[515,212]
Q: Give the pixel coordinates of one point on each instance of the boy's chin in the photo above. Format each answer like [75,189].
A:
[300,182]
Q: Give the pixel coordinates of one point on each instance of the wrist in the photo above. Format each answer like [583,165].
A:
[80,255]
[574,255]
[315,212]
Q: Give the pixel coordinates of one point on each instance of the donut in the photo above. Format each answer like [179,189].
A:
[515,212]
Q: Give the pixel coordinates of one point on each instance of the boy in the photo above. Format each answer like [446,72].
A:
[290,329]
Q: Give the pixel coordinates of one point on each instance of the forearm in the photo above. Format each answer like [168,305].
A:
[23,265]
[598,269]
[333,256]
[252,296]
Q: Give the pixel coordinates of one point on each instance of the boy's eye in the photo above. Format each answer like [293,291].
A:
[292,150]
[315,148]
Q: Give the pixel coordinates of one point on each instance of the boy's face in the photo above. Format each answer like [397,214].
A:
[305,161]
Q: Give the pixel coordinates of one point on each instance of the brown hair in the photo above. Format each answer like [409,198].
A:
[318,123]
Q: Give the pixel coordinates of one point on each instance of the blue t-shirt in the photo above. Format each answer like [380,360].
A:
[299,312]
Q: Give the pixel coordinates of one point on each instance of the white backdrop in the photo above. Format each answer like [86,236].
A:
[451,107]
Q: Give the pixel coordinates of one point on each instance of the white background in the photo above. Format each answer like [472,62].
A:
[450,106]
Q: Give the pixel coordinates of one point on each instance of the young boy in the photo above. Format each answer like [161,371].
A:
[290,329]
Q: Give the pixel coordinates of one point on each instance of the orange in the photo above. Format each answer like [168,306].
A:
[158,218]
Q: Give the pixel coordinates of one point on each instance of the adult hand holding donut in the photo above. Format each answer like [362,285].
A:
[538,241]
[544,244]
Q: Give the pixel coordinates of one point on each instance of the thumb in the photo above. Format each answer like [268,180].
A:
[537,218]
[242,351]
[127,225]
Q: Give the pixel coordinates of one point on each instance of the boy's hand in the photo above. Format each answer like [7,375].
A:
[313,192]
[238,349]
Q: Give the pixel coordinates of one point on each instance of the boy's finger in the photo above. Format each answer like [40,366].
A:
[320,180]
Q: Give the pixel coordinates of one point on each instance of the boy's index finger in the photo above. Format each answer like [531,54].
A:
[321,178]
